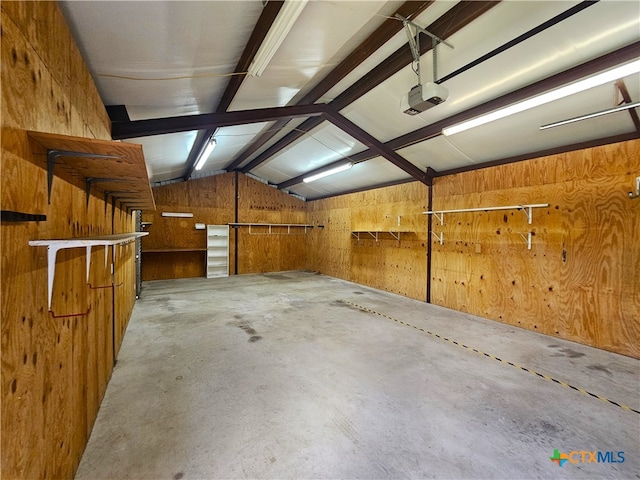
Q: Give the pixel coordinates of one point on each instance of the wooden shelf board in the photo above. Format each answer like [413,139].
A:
[128,171]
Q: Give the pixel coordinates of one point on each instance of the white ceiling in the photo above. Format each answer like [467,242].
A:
[172,58]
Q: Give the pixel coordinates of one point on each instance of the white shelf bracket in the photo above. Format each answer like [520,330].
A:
[397,237]
[374,235]
[88,261]
[439,237]
[527,239]
[440,217]
[52,253]
[528,212]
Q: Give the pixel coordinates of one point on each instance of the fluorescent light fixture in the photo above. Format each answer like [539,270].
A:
[326,173]
[579,86]
[625,106]
[177,214]
[289,13]
[204,156]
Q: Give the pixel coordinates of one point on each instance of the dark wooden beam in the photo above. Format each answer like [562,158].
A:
[365,138]
[363,51]
[267,17]
[422,134]
[451,22]
[591,67]
[627,99]
[161,126]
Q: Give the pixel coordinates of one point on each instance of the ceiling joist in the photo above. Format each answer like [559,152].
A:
[455,19]
[363,51]
[185,123]
[268,16]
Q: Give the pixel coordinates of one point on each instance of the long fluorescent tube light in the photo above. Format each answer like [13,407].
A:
[625,106]
[289,13]
[204,156]
[326,173]
[177,214]
[579,86]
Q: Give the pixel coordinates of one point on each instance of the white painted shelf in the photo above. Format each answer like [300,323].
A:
[81,242]
[526,209]
[270,227]
[217,261]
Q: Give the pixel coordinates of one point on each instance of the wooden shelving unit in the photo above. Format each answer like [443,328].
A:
[82,242]
[118,169]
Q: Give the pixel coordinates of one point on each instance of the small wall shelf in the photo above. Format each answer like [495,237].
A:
[270,227]
[119,168]
[526,209]
[82,242]
[375,234]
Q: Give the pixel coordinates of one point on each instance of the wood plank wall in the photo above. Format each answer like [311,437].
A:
[54,370]
[580,279]
[387,264]
[212,201]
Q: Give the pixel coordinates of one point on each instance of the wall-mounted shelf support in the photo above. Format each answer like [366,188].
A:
[527,239]
[97,161]
[375,234]
[526,209]
[10,216]
[439,216]
[439,237]
[52,156]
[89,181]
[87,242]
[270,227]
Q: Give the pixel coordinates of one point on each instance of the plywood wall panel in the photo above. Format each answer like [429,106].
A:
[212,200]
[570,283]
[388,264]
[54,370]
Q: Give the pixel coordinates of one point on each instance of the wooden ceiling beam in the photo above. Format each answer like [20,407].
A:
[425,133]
[451,22]
[267,17]
[367,139]
[624,91]
[185,123]
[377,39]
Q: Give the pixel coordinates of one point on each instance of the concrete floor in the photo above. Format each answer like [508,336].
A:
[277,376]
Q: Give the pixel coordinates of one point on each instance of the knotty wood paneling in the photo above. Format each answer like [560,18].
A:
[579,281]
[387,264]
[54,370]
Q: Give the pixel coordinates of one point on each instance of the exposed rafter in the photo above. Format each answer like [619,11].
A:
[624,91]
[269,14]
[591,67]
[161,126]
[365,138]
[455,19]
[378,38]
